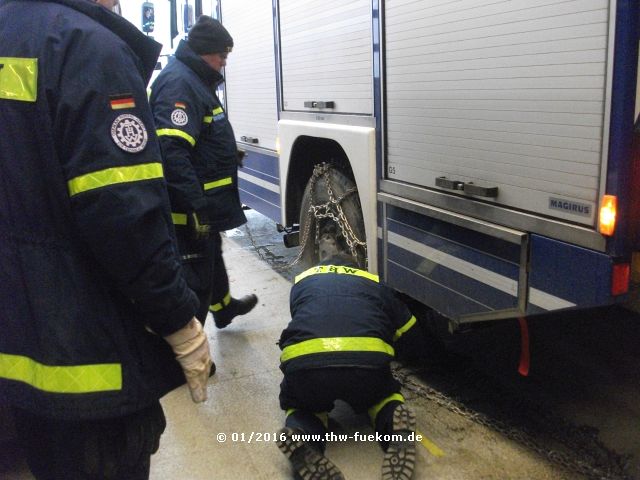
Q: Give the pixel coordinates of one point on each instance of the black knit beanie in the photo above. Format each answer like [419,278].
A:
[209,36]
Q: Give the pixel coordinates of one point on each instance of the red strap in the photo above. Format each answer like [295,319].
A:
[525,357]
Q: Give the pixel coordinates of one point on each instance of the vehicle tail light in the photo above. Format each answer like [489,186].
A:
[607,219]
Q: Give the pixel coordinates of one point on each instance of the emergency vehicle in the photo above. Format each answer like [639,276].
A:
[491,142]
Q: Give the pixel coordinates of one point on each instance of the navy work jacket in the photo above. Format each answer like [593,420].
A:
[197,141]
[88,262]
[342,316]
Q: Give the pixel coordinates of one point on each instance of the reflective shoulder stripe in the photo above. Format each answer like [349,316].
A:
[336,344]
[179,218]
[207,119]
[218,183]
[339,269]
[19,78]
[174,132]
[410,323]
[58,379]
[112,176]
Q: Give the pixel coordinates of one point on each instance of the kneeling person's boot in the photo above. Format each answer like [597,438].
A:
[400,455]
[308,462]
[237,306]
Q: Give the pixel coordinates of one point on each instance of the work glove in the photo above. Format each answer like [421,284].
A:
[240,154]
[191,347]
[199,226]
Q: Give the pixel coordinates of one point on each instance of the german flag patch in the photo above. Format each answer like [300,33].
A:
[125,100]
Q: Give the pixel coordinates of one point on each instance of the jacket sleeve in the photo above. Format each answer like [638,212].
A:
[403,320]
[111,161]
[178,118]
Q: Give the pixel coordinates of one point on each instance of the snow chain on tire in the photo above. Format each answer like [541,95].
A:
[331,209]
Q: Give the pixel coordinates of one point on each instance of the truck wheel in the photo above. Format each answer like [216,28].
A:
[340,184]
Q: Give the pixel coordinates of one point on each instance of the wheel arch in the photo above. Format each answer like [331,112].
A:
[352,150]
[307,152]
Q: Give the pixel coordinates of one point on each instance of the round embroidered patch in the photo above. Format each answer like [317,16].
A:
[129,133]
[179,117]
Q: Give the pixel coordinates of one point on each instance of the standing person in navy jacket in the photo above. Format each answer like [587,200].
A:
[338,346]
[201,163]
[94,307]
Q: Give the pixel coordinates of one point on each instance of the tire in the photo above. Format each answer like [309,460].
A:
[352,210]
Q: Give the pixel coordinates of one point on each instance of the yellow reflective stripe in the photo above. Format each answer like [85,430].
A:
[19,78]
[410,323]
[339,269]
[174,132]
[218,183]
[431,447]
[115,175]
[220,305]
[216,111]
[58,379]
[336,344]
[375,410]
[322,416]
[179,218]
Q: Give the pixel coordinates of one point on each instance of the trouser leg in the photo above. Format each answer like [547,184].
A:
[198,267]
[313,424]
[110,449]
[396,423]
[203,292]
[220,294]
[381,415]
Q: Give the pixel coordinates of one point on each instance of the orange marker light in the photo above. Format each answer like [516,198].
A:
[608,215]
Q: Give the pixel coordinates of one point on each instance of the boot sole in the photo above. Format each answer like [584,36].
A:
[306,461]
[400,458]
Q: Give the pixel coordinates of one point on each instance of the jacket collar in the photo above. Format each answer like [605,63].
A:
[197,64]
[146,49]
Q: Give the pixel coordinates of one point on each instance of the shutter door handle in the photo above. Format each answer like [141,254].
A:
[319,104]
[249,139]
[469,188]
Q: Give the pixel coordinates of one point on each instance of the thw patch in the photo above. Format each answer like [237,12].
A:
[129,133]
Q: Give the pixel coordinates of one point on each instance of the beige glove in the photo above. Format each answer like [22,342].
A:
[191,347]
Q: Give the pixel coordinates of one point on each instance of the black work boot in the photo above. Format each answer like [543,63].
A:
[237,306]
[308,463]
[400,456]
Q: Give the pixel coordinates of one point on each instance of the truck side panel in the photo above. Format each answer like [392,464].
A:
[459,270]
[250,73]
[510,95]
[259,184]
[475,272]
[252,101]
[326,55]
[578,277]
